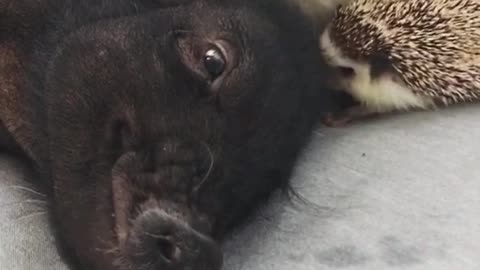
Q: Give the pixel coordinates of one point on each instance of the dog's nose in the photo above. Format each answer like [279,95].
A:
[159,241]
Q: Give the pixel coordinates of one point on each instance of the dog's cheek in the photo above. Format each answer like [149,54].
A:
[83,214]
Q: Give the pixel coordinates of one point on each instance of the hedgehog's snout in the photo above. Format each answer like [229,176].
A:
[345,75]
[342,76]
[345,72]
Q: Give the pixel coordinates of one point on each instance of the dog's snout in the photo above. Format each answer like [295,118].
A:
[175,152]
[177,166]
[159,241]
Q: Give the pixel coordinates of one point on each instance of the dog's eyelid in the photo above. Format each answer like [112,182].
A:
[228,50]
[193,50]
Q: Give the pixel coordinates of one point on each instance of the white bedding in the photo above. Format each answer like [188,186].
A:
[400,192]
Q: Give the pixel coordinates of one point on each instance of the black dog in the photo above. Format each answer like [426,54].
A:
[156,125]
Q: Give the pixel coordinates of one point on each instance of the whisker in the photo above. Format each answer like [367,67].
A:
[27,189]
[209,172]
[110,247]
[105,242]
[156,236]
[36,214]
[24,202]
[107,251]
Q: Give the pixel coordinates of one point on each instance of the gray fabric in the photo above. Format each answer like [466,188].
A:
[26,242]
[400,192]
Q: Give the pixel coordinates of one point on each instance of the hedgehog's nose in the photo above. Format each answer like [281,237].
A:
[159,241]
[341,76]
[346,71]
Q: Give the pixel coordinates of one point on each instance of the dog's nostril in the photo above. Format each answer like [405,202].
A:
[167,249]
[161,241]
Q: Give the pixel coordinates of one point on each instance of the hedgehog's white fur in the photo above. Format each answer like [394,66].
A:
[382,94]
[451,36]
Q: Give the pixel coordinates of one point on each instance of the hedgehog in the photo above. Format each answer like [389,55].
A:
[401,55]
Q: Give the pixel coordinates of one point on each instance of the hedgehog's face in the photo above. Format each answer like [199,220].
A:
[371,80]
[349,72]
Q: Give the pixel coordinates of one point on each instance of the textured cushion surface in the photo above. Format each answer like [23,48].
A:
[399,192]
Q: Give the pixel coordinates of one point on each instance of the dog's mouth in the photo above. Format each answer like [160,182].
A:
[159,233]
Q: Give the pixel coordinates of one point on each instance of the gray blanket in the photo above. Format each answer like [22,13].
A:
[400,192]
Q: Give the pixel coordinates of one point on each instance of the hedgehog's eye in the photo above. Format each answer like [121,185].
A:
[346,71]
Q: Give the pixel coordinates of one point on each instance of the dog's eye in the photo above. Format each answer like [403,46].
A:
[214,62]
[209,61]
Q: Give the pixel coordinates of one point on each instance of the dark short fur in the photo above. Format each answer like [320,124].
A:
[148,160]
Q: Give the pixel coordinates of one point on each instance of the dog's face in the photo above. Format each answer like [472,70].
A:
[165,128]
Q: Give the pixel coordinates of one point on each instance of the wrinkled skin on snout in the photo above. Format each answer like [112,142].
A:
[159,126]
